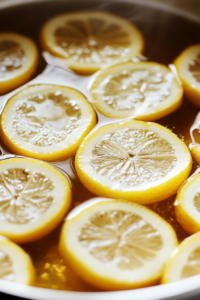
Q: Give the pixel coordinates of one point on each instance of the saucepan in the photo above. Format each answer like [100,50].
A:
[168,27]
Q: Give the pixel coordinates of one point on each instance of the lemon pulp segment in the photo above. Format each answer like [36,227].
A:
[18,60]
[115,244]
[195,150]
[184,261]
[144,91]
[187,206]
[90,40]
[137,161]
[46,122]
[15,265]
[34,198]
[188,68]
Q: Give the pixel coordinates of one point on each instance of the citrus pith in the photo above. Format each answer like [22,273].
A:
[46,121]
[34,199]
[18,60]
[116,244]
[134,160]
[91,40]
[144,91]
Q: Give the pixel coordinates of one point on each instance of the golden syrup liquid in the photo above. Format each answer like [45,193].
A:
[166,35]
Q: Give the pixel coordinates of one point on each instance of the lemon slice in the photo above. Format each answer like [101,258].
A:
[34,198]
[15,265]
[46,122]
[188,68]
[91,40]
[187,205]
[144,91]
[195,150]
[117,244]
[194,135]
[138,161]
[184,261]
[18,60]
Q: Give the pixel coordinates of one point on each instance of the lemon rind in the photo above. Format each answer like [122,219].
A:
[183,214]
[23,74]
[22,265]
[168,106]
[104,280]
[17,146]
[157,192]
[172,269]
[85,68]
[49,220]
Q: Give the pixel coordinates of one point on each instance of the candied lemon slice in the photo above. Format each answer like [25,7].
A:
[195,150]
[145,91]
[91,40]
[18,60]
[46,122]
[15,265]
[116,244]
[34,198]
[187,205]
[195,134]
[143,162]
[188,68]
[184,261]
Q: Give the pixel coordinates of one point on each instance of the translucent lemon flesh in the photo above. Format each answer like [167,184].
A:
[6,270]
[114,244]
[192,266]
[112,236]
[145,91]
[188,68]
[34,197]
[89,40]
[46,122]
[184,261]
[12,57]
[133,156]
[138,161]
[15,265]
[18,60]
[187,206]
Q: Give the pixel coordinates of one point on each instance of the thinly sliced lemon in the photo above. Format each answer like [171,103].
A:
[195,150]
[34,198]
[145,91]
[91,40]
[137,161]
[184,261]
[188,68]
[187,205]
[15,265]
[18,60]
[46,122]
[194,134]
[116,244]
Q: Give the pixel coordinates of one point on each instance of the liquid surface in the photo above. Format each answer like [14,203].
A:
[162,46]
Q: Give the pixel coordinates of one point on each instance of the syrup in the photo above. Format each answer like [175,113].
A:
[166,35]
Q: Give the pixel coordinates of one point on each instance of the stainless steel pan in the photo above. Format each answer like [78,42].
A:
[184,289]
